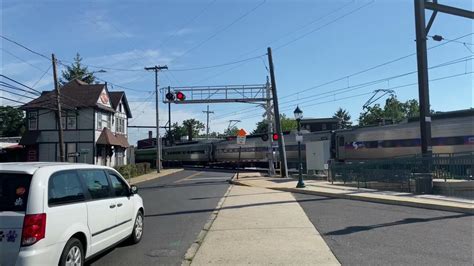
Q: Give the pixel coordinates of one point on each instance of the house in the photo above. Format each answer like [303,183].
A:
[320,124]
[94,122]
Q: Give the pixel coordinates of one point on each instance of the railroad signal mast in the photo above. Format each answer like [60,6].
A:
[263,94]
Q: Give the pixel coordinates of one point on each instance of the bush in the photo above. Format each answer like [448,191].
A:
[132,170]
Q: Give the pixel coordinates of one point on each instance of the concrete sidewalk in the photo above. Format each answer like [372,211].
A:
[152,175]
[323,188]
[261,226]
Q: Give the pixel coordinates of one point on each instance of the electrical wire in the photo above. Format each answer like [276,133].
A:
[8,99]
[17,94]
[323,26]
[219,31]
[19,83]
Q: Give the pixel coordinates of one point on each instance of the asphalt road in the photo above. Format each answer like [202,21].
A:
[364,233]
[176,208]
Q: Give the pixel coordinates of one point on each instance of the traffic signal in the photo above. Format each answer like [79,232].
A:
[170,96]
[264,137]
[275,136]
[180,96]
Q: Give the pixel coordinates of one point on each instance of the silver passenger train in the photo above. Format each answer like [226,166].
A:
[452,132]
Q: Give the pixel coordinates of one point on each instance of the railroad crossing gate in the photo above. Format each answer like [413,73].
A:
[241,137]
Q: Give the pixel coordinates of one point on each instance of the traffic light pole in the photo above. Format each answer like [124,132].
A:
[281,141]
[158,142]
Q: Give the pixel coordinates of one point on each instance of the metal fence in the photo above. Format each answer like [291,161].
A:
[403,169]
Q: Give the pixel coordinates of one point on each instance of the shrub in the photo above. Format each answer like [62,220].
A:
[132,170]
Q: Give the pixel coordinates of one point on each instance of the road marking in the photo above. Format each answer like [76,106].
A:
[188,177]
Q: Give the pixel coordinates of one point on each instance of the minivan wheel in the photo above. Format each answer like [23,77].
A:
[137,232]
[73,253]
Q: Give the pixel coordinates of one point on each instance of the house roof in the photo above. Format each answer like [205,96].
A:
[108,138]
[319,120]
[74,94]
[115,97]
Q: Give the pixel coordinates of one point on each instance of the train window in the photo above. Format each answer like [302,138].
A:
[448,141]
[371,144]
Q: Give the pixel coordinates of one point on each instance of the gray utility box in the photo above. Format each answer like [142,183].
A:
[317,156]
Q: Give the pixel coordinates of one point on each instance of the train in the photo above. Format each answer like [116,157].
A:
[452,133]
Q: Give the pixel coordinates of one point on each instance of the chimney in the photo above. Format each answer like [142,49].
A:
[150,134]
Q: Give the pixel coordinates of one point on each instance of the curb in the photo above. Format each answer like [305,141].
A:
[193,249]
[132,182]
[368,199]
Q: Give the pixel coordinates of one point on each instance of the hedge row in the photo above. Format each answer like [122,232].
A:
[132,170]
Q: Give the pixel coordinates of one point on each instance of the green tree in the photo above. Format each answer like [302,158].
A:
[344,117]
[262,127]
[193,127]
[77,71]
[231,131]
[393,110]
[177,132]
[12,121]
[287,124]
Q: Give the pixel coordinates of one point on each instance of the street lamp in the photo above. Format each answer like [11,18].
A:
[298,115]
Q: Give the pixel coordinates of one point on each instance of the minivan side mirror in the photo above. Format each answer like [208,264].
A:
[133,189]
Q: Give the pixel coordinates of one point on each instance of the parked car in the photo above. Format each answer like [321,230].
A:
[60,213]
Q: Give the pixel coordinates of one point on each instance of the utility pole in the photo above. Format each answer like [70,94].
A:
[158,142]
[58,111]
[281,142]
[207,125]
[422,62]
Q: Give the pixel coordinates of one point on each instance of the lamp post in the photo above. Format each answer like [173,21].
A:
[298,115]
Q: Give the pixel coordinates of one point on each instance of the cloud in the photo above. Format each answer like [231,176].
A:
[184,31]
[100,22]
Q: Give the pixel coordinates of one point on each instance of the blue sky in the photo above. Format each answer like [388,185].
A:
[313,41]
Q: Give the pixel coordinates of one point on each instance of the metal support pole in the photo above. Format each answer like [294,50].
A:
[423,87]
[268,109]
[300,163]
[281,142]
[158,142]
[207,124]
[170,135]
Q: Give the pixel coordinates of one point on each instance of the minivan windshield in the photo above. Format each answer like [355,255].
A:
[14,190]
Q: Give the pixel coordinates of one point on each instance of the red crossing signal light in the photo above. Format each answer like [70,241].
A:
[275,136]
[180,96]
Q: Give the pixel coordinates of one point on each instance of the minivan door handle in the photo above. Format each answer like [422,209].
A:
[119,205]
[112,205]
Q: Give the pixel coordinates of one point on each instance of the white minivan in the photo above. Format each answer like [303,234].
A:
[60,213]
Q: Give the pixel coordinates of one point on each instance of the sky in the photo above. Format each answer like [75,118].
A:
[318,47]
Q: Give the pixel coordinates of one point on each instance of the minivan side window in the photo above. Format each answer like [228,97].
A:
[65,187]
[96,182]
[119,188]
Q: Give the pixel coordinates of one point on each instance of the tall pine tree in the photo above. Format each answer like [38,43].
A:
[77,71]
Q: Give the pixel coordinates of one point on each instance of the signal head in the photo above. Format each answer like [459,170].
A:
[275,136]
[180,96]
[170,96]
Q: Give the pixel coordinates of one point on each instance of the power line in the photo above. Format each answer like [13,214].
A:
[219,31]
[8,99]
[323,26]
[24,47]
[7,85]
[17,94]
[354,87]
[19,83]
[21,59]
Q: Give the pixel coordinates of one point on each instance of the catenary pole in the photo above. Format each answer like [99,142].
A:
[281,141]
